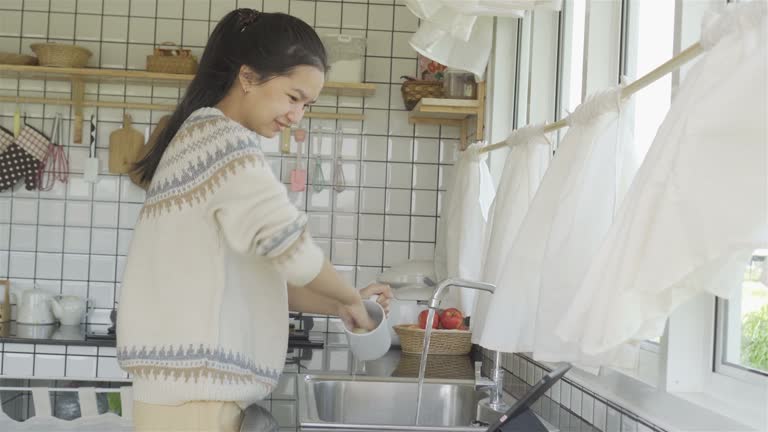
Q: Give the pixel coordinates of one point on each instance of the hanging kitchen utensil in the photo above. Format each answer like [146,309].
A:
[318,178]
[16,121]
[5,308]
[299,174]
[338,168]
[124,145]
[91,172]
[54,166]
[316,144]
[161,124]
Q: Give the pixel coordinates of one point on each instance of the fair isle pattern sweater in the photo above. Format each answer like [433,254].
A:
[203,306]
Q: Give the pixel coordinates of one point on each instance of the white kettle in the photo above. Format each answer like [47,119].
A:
[35,307]
[68,309]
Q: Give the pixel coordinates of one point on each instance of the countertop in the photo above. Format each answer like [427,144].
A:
[54,334]
[85,335]
[333,358]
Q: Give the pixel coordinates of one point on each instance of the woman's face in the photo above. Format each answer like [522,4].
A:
[280,102]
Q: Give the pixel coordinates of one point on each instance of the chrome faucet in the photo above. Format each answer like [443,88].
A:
[438,293]
[494,385]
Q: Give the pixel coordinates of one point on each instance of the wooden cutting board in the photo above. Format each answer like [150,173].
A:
[135,177]
[124,145]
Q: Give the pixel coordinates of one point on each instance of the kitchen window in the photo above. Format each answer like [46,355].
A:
[647,40]
[741,350]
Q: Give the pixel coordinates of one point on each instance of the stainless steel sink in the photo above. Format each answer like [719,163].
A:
[370,404]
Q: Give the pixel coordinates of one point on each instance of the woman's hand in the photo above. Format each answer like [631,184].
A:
[384,292]
[356,316]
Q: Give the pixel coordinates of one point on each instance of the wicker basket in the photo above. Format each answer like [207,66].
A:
[447,342]
[17,59]
[169,58]
[58,55]
[413,90]
[438,366]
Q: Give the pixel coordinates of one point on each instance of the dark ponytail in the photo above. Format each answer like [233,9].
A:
[272,44]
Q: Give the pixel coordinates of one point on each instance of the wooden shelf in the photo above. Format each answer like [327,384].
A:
[349,89]
[119,76]
[453,112]
[81,76]
[449,109]
[92,75]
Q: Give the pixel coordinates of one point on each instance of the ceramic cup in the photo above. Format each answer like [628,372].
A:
[375,343]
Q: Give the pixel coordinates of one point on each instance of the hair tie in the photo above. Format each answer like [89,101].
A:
[246,17]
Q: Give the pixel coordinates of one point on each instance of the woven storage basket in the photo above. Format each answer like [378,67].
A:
[169,58]
[448,342]
[413,90]
[438,366]
[17,59]
[59,55]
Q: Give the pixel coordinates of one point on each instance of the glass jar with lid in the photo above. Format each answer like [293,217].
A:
[459,84]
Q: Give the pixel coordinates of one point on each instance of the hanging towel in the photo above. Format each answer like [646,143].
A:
[578,188]
[525,165]
[461,228]
[698,207]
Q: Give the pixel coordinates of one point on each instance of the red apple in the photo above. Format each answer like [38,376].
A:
[451,319]
[423,320]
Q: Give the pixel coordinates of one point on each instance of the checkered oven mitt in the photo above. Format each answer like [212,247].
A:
[6,139]
[21,159]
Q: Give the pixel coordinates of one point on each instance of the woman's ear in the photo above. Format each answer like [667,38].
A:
[246,78]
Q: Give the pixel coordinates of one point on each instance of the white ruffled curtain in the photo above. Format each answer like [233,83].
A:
[698,207]
[459,33]
[541,268]
[524,168]
[461,228]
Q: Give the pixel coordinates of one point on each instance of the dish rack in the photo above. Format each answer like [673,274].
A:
[89,420]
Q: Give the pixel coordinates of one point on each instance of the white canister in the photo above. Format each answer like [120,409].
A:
[346,54]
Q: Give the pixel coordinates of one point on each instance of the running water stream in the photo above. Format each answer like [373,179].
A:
[423,360]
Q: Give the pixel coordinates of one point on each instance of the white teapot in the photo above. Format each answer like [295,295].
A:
[35,307]
[68,309]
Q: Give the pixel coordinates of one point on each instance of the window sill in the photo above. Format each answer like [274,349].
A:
[674,412]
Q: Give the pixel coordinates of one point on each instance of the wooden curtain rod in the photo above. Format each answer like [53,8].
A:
[669,66]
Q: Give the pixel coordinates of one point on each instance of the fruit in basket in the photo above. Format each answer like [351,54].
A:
[423,320]
[451,319]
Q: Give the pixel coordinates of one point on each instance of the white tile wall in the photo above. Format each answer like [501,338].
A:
[17,364]
[81,366]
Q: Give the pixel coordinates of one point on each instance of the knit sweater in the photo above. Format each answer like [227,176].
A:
[203,305]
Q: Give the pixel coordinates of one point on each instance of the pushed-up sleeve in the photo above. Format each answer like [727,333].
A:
[252,210]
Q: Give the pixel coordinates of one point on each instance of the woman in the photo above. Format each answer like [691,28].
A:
[219,254]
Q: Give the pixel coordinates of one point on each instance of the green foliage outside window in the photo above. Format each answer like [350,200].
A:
[754,342]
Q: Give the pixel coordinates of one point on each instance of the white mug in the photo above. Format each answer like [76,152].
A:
[375,343]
